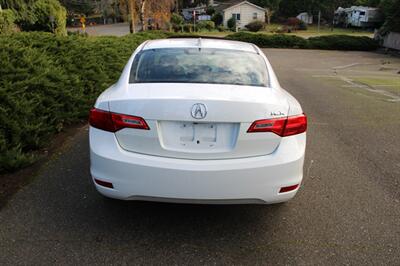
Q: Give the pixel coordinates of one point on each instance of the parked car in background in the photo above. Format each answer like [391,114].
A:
[197,121]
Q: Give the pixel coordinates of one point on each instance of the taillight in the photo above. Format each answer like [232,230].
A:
[295,125]
[113,122]
[121,121]
[283,127]
[101,120]
[268,125]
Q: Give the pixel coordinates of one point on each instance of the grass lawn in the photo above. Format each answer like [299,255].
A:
[324,30]
[389,83]
[311,32]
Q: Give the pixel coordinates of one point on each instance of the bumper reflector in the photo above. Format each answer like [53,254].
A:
[104,183]
[287,189]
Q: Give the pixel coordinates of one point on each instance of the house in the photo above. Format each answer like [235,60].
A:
[358,16]
[305,17]
[243,11]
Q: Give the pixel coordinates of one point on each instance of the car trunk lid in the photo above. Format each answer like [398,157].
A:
[177,131]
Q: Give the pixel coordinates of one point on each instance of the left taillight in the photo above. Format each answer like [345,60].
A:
[284,127]
[113,122]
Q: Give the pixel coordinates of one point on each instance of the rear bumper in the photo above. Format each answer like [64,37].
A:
[248,180]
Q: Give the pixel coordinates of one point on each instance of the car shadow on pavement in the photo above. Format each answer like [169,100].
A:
[144,221]
[186,223]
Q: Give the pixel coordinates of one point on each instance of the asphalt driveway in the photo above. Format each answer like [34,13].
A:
[347,212]
[118,29]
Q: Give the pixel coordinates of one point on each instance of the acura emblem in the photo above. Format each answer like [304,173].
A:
[199,111]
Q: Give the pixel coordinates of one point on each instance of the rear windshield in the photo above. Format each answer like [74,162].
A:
[193,65]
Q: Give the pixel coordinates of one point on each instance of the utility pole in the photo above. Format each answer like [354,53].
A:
[319,20]
[194,20]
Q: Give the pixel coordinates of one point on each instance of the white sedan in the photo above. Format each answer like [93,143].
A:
[197,121]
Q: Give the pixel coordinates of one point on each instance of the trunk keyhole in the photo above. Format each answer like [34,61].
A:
[198,142]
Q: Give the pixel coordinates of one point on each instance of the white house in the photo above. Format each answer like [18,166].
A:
[243,11]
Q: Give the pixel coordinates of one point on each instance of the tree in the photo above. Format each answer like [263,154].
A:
[79,6]
[22,10]
[210,11]
[372,3]
[232,23]
[271,6]
[50,16]
[132,17]
[38,15]
[218,19]
[177,22]
[155,12]
[142,16]
[391,10]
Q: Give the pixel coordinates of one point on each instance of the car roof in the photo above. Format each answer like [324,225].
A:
[200,43]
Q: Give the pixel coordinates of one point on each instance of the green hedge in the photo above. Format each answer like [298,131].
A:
[205,25]
[328,42]
[270,40]
[343,42]
[48,82]
[255,26]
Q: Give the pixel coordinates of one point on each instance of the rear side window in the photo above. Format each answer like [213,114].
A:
[194,65]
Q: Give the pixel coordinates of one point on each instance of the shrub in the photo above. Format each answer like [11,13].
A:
[293,23]
[47,10]
[255,26]
[221,28]
[302,26]
[218,19]
[40,15]
[343,42]
[205,25]
[188,27]
[48,82]
[329,42]
[270,41]
[283,29]
[177,22]
[7,19]
[232,23]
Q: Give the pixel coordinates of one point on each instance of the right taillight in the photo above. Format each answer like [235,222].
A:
[113,122]
[295,125]
[283,127]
